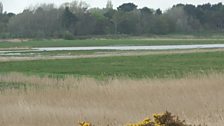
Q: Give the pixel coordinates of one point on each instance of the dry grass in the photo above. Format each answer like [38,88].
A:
[115,102]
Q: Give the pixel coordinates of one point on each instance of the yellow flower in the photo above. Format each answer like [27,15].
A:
[145,122]
[85,124]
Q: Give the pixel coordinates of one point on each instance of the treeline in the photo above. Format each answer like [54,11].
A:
[77,19]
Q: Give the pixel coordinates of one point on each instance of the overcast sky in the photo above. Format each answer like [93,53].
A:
[17,6]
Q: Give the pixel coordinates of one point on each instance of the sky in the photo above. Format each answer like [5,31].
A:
[17,6]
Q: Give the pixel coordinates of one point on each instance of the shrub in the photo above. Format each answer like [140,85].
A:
[164,119]
[68,36]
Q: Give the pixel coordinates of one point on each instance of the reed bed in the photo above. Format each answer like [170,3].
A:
[114,102]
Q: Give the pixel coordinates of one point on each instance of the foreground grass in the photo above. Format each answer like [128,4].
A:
[115,102]
[107,42]
[161,65]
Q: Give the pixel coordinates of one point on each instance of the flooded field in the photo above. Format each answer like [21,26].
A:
[32,51]
[162,47]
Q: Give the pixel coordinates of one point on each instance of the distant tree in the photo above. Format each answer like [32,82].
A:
[179,17]
[99,13]
[190,10]
[20,25]
[127,7]
[116,19]
[39,22]
[109,5]
[76,7]
[47,20]
[186,18]
[146,11]
[158,12]
[68,18]
[205,6]
[1,8]
[146,20]
[11,15]
[102,21]
[128,22]
[178,5]
[216,17]
[85,25]
[217,7]
[109,13]
[76,18]
[161,25]
[4,19]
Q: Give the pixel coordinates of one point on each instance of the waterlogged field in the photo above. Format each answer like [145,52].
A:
[38,101]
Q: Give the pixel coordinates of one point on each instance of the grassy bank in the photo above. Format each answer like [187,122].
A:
[160,65]
[114,102]
[106,42]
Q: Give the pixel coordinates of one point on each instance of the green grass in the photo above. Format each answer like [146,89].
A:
[175,65]
[108,42]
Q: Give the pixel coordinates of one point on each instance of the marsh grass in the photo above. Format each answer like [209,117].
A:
[114,102]
[150,66]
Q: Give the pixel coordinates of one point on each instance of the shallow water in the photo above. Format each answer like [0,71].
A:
[163,47]
[127,48]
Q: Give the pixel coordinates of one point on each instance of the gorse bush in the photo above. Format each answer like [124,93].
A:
[85,124]
[163,119]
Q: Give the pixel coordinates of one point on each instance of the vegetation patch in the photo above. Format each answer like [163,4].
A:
[164,119]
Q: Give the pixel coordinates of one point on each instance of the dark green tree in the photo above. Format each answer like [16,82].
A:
[127,7]
[109,13]
[146,20]
[190,10]
[4,20]
[146,11]
[68,18]
[128,22]
[109,5]
[1,8]
[85,25]
[158,12]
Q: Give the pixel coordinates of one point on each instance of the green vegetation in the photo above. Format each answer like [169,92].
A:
[172,65]
[75,18]
[108,42]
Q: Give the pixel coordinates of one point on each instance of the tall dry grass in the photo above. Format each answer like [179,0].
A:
[64,102]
